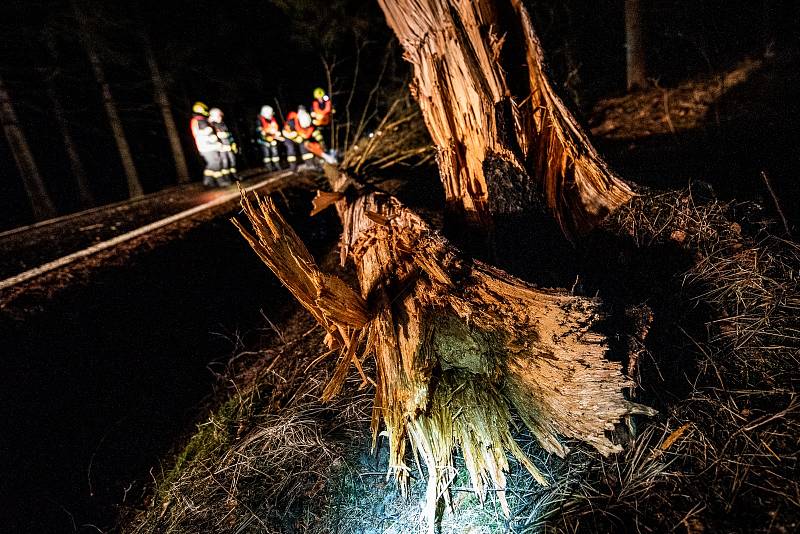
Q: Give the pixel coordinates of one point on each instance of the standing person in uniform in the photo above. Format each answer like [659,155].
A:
[321,108]
[227,145]
[321,114]
[268,135]
[208,145]
[293,142]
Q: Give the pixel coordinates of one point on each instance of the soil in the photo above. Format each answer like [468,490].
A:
[724,130]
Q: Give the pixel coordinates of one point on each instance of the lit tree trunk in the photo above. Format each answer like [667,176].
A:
[634,46]
[40,201]
[76,165]
[503,136]
[134,185]
[457,344]
[162,100]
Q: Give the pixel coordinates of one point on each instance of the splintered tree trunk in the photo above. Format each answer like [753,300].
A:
[502,134]
[162,100]
[41,204]
[457,344]
[634,46]
[110,106]
[76,165]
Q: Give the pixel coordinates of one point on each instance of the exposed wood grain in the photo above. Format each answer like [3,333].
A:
[458,345]
[480,82]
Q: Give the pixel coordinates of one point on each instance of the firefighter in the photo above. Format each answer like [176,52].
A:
[293,142]
[228,146]
[268,136]
[321,111]
[321,108]
[208,145]
[303,139]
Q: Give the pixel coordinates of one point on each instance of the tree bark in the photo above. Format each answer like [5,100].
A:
[503,135]
[457,344]
[634,45]
[76,165]
[41,204]
[110,106]
[162,100]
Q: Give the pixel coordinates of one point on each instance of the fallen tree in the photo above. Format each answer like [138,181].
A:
[457,343]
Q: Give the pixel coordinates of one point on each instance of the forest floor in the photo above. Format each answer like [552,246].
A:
[701,255]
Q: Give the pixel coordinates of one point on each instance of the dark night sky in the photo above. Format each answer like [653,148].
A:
[240,55]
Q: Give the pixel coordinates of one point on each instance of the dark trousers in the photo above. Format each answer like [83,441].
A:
[228,165]
[296,153]
[272,159]
[212,174]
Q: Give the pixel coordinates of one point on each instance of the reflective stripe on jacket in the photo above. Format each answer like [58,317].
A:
[321,112]
[292,130]
[289,127]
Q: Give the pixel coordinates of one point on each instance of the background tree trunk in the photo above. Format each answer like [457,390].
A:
[41,204]
[634,45]
[162,100]
[503,136]
[132,177]
[76,165]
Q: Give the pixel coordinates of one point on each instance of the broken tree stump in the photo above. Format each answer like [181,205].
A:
[458,345]
[503,136]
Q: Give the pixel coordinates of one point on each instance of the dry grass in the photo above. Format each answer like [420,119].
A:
[725,456]
[253,465]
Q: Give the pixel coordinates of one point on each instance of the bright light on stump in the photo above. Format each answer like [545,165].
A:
[457,344]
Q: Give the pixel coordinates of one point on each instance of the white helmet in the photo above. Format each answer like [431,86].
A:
[303,117]
[267,112]
[215,115]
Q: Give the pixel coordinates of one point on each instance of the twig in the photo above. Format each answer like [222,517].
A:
[666,112]
[777,202]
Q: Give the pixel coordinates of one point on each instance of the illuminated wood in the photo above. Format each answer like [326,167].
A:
[457,344]
[501,132]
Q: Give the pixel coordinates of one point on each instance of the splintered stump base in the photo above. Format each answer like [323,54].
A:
[457,344]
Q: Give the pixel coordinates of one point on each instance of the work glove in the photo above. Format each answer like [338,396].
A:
[235,148]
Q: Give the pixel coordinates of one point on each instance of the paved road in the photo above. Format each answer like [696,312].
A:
[42,258]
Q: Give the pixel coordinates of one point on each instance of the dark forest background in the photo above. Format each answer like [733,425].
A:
[241,55]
